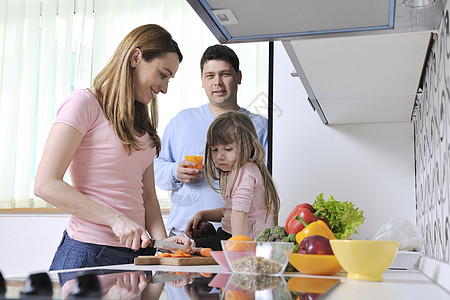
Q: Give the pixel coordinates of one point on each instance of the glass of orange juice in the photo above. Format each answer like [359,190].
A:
[196,158]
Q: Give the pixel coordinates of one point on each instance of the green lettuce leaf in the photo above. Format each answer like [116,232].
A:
[342,217]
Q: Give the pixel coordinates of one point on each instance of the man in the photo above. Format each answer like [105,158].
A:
[186,133]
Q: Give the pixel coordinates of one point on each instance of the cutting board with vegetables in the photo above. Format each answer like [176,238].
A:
[174,261]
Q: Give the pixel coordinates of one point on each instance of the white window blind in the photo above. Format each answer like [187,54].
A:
[48,48]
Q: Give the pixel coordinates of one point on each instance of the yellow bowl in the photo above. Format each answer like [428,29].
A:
[312,264]
[365,260]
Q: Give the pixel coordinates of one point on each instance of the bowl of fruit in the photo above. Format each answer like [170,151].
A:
[252,257]
[315,257]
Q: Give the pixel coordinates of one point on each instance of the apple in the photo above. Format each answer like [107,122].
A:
[315,244]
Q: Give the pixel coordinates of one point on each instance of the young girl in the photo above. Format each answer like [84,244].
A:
[234,156]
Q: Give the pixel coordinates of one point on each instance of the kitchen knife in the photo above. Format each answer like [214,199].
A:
[171,276]
[172,246]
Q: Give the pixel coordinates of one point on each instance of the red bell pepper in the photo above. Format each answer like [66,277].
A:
[304,211]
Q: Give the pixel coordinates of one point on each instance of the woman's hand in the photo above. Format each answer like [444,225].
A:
[129,233]
[192,224]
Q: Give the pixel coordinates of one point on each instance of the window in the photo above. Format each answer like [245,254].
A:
[51,47]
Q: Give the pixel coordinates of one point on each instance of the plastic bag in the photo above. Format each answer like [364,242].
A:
[401,230]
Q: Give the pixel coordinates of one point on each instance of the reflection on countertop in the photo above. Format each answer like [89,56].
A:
[131,284]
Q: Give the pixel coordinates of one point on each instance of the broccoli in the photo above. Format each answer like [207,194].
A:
[292,238]
[272,234]
[290,268]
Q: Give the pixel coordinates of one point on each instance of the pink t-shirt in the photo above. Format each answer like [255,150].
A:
[247,196]
[102,169]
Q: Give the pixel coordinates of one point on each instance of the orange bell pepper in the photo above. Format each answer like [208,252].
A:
[315,228]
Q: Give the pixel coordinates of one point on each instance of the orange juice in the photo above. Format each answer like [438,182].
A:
[197,160]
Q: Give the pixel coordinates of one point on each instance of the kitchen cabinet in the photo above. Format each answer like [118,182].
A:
[359,62]
[361,79]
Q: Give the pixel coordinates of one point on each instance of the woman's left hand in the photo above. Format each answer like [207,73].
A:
[181,239]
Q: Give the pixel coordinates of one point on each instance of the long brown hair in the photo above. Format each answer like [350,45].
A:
[231,127]
[114,86]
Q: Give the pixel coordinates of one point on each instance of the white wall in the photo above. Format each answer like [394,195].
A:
[28,242]
[371,165]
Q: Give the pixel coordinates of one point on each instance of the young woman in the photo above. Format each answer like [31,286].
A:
[107,139]
[235,157]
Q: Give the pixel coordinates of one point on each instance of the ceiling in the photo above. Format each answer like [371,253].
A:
[359,61]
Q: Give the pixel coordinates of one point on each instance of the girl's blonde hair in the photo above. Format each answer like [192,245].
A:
[114,86]
[237,127]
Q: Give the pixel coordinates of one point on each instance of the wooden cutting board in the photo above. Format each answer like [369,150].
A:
[174,261]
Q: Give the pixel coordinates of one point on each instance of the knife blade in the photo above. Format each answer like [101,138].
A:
[171,276]
[160,244]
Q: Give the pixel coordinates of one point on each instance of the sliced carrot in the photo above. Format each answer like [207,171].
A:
[164,255]
[180,253]
[206,252]
[187,254]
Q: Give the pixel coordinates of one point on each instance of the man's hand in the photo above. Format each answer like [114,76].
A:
[186,172]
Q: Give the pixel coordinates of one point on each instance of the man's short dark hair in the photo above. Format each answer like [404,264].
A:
[220,52]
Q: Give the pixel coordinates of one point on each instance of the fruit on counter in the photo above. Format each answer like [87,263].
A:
[342,217]
[304,211]
[235,244]
[272,234]
[241,238]
[315,228]
[315,244]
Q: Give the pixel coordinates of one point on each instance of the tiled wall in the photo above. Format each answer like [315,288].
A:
[432,147]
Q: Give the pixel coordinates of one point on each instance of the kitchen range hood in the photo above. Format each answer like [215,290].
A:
[256,20]
[360,61]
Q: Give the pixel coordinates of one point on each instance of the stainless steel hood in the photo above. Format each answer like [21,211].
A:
[359,61]
[253,20]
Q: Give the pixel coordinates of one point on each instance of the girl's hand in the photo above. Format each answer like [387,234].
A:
[186,173]
[129,233]
[181,239]
[192,224]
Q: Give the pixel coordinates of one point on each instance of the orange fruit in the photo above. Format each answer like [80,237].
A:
[234,244]
[234,295]
[240,238]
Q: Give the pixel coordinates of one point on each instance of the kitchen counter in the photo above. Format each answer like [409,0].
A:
[397,284]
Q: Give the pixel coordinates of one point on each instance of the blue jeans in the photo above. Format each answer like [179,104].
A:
[73,254]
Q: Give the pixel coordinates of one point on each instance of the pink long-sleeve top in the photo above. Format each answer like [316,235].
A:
[247,196]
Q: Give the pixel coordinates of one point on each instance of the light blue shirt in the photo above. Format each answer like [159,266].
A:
[186,133]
